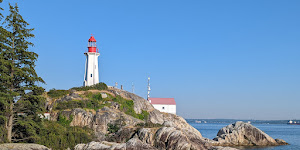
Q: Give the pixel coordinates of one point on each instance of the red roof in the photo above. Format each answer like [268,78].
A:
[92,39]
[165,101]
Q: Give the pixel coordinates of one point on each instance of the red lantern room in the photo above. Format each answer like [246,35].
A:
[92,45]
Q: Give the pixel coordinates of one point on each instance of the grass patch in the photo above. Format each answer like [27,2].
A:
[53,93]
[95,102]
[127,106]
[99,86]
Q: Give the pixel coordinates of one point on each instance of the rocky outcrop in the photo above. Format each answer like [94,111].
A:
[98,120]
[176,138]
[72,96]
[281,142]
[132,144]
[139,102]
[155,116]
[180,123]
[153,138]
[158,131]
[22,146]
[244,134]
[168,131]
[123,135]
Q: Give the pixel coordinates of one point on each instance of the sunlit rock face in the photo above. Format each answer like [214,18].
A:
[132,144]
[154,139]
[22,146]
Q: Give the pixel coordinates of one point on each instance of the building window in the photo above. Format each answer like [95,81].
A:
[91,75]
[163,107]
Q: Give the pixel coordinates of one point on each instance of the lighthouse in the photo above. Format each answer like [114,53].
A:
[91,75]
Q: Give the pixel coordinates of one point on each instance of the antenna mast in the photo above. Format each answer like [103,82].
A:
[148,90]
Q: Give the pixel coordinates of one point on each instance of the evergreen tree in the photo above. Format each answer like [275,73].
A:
[3,33]
[18,79]
[1,16]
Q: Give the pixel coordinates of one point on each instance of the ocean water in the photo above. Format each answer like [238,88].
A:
[289,133]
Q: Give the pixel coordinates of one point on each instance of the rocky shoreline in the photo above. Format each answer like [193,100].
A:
[116,130]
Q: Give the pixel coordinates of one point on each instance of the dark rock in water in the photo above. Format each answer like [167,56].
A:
[281,142]
[244,134]
[22,146]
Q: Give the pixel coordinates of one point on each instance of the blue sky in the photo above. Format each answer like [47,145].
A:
[218,59]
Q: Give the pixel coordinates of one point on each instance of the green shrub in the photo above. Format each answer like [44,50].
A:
[144,115]
[99,86]
[93,103]
[97,96]
[53,93]
[70,104]
[112,128]
[64,120]
[60,137]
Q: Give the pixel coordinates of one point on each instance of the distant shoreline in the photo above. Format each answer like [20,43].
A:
[226,121]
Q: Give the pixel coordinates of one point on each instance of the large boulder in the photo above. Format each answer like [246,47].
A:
[181,139]
[132,144]
[22,146]
[244,134]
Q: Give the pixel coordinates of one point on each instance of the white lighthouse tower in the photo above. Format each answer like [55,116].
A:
[91,75]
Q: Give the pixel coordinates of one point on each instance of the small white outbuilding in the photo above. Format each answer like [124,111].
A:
[167,105]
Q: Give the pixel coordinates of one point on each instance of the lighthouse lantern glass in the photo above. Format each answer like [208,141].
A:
[92,44]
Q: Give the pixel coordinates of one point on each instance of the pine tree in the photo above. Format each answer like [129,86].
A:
[18,79]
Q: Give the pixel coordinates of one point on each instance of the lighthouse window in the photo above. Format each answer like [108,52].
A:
[91,75]
[163,107]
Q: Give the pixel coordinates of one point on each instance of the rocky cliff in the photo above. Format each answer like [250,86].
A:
[116,127]
[158,130]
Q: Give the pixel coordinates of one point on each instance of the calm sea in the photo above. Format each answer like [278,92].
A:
[289,133]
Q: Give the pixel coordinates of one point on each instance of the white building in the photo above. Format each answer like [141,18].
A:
[91,75]
[167,105]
